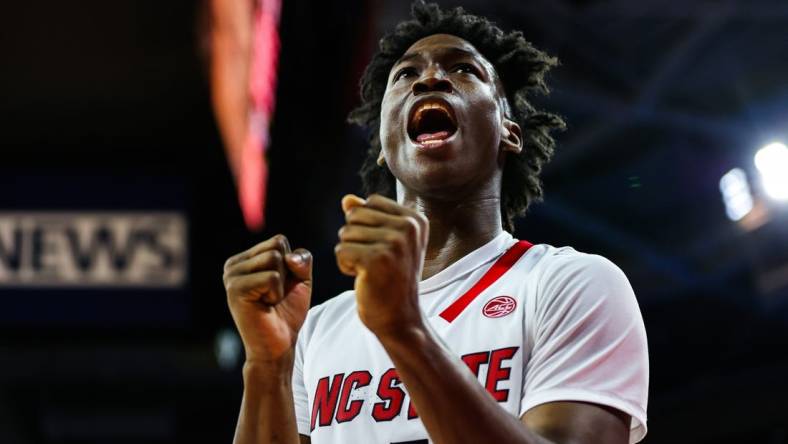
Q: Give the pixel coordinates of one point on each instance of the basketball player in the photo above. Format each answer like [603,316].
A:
[455,332]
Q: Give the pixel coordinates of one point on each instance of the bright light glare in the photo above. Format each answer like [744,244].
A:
[736,194]
[227,347]
[772,162]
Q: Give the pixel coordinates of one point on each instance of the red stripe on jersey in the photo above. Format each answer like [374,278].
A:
[501,266]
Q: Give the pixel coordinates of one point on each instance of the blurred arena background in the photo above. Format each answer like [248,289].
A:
[118,205]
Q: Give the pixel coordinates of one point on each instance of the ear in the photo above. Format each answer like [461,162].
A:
[511,137]
[381,159]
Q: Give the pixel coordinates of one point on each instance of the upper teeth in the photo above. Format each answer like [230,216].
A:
[427,106]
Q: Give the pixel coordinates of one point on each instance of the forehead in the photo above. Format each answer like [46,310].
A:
[444,44]
[438,42]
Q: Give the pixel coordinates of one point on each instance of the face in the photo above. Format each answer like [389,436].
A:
[443,130]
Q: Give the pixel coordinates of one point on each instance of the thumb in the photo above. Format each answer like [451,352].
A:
[350,201]
[299,262]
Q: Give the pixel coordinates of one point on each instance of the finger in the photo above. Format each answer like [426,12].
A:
[354,257]
[413,226]
[349,256]
[366,235]
[277,242]
[267,260]
[387,205]
[299,262]
[373,218]
[263,286]
[417,220]
[350,201]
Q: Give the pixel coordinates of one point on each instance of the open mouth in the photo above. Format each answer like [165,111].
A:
[431,122]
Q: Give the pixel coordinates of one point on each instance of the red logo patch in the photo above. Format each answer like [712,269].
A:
[499,307]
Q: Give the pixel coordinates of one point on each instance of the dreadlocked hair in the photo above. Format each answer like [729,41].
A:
[521,69]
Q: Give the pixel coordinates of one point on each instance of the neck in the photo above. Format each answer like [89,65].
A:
[456,227]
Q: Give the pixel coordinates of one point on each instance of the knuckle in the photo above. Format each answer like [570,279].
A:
[353,214]
[411,226]
[383,256]
[229,263]
[396,240]
[280,241]
[279,237]
[340,247]
[341,253]
[275,257]
[231,285]
[342,258]
[273,280]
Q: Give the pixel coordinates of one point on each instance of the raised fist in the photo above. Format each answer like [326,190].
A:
[268,290]
[383,244]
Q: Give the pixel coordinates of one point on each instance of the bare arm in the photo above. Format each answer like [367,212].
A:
[455,408]
[267,411]
[268,291]
[578,422]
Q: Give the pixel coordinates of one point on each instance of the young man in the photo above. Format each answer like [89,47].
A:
[455,332]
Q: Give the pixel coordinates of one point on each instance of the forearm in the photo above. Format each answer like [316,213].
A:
[451,403]
[267,412]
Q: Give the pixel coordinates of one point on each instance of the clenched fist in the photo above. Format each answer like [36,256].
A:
[268,291]
[383,244]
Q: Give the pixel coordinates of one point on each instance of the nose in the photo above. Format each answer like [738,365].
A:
[432,80]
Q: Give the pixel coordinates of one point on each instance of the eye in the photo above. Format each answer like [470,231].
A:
[466,68]
[404,72]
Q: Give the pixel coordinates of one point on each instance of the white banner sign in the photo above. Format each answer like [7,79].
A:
[106,249]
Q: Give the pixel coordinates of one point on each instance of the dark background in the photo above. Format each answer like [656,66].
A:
[104,105]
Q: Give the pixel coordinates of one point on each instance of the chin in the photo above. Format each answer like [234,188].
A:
[440,180]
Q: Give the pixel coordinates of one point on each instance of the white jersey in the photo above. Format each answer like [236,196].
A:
[536,324]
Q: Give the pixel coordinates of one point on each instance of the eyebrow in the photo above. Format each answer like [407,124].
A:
[450,49]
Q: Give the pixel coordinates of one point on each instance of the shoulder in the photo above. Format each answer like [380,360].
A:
[565,265]
[551,262]
[567,276]
[588,336]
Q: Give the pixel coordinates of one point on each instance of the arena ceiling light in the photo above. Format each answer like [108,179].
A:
[736,194]
[772,163]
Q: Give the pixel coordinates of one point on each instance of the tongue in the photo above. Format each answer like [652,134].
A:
[432,136]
